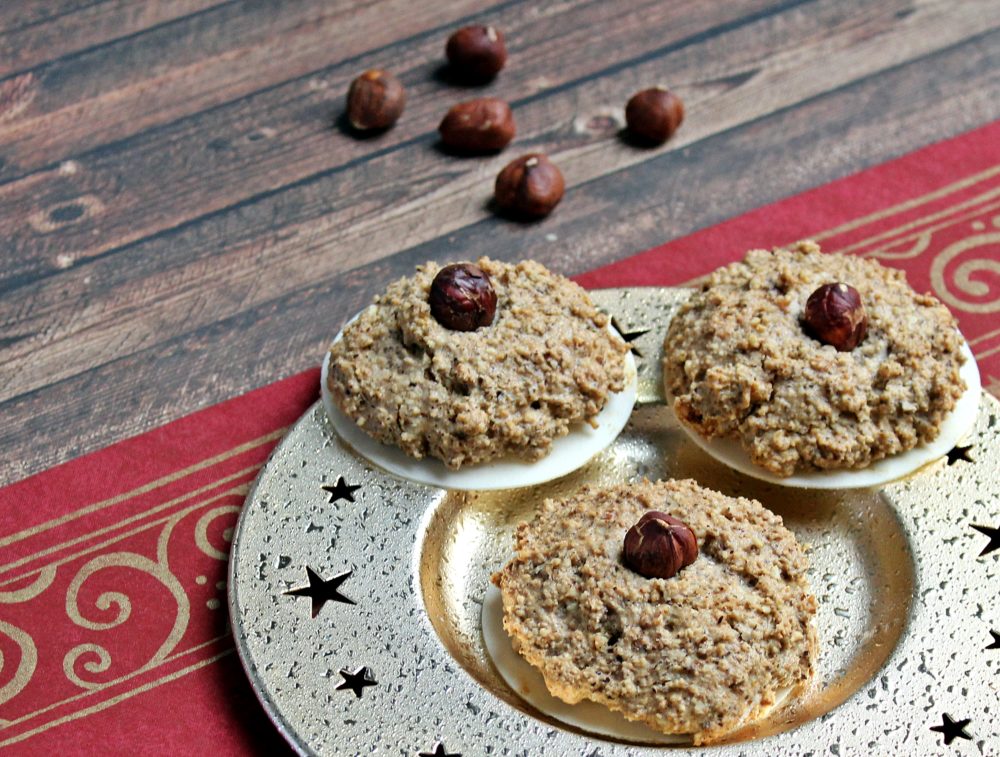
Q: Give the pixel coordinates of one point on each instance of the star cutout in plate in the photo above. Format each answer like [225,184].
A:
[321,591]
[952,729]
[629,336]
[439,751]
[994,534]
[959,453]
[341,490]
[996,640]
[355,681]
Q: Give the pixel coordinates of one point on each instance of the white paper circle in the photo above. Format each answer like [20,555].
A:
[566,454]
[956,425]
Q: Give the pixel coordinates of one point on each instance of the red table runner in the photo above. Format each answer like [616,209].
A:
[113,622]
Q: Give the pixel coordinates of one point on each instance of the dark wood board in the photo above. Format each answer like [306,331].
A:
[183,218]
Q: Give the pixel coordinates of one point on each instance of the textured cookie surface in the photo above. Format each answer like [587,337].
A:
[547,361]
[700,653]
[739,364]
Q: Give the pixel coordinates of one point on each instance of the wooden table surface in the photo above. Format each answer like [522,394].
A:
[183,219]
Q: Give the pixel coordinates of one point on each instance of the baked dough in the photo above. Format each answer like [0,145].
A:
[739,365]
[548,361]
[701,653]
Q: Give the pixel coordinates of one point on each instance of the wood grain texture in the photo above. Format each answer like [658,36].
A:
[166,264]
[33,32]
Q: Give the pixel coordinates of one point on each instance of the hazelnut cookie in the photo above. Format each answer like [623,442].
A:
[813,361]
[701,653]
[487,374]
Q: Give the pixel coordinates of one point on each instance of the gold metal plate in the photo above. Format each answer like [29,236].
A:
[905,599]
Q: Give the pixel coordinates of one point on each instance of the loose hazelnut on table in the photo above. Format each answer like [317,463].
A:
[462,297]
[530,186]
[653,115]
[478,126]
[375,100]
[659,545]
[835,315]
[476,53]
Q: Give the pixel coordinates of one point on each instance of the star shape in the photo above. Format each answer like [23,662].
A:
[996,640]
[439,751]
[341,490]
[994,534]
[952,729]
[959,453]
[629,336]
[356,681]
[322,591]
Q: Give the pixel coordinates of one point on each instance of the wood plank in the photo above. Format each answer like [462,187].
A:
[168,176]
[32,33]
[674,192]
[212,270]
[115,90]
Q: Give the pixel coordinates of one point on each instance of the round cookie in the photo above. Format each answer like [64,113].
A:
[739,364]
[701,653]
[546,362]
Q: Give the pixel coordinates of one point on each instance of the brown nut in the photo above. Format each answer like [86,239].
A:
[836,316]
[462,297]
[476,53]
[659,545]
[476,126]
[530,186]
[654,114]
[375,100]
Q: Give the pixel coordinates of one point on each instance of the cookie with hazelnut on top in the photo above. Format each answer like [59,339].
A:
[816,364]
[476,362]
[674,605]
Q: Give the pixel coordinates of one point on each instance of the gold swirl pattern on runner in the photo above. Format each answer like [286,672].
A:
[102,663]
[201,532]
[966,277]
[25,666]
[45,578]
[104,602]
[29,652]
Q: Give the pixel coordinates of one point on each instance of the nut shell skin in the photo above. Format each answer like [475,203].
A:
[476,53]
[529,186]
[653,115]
[478,126]
[835,315]
[462,297]
[375,100]
[659,545]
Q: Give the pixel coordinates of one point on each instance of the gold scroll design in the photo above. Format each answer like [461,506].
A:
[96,658]
[955,285]
[26,644]
[984,258]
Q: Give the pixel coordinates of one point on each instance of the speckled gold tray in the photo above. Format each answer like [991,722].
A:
[394,661]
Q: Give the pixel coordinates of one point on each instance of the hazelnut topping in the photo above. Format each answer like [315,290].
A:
[653,115]
[836,316]
[530,186]
[476,53]
[462,297]
[659,545]
[375,100]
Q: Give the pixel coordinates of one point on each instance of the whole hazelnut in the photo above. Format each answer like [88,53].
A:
[654,114]
[475,126]
[836,316]
[659,545]
[476,53]
[375,100]
[531,186]
[462,297]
